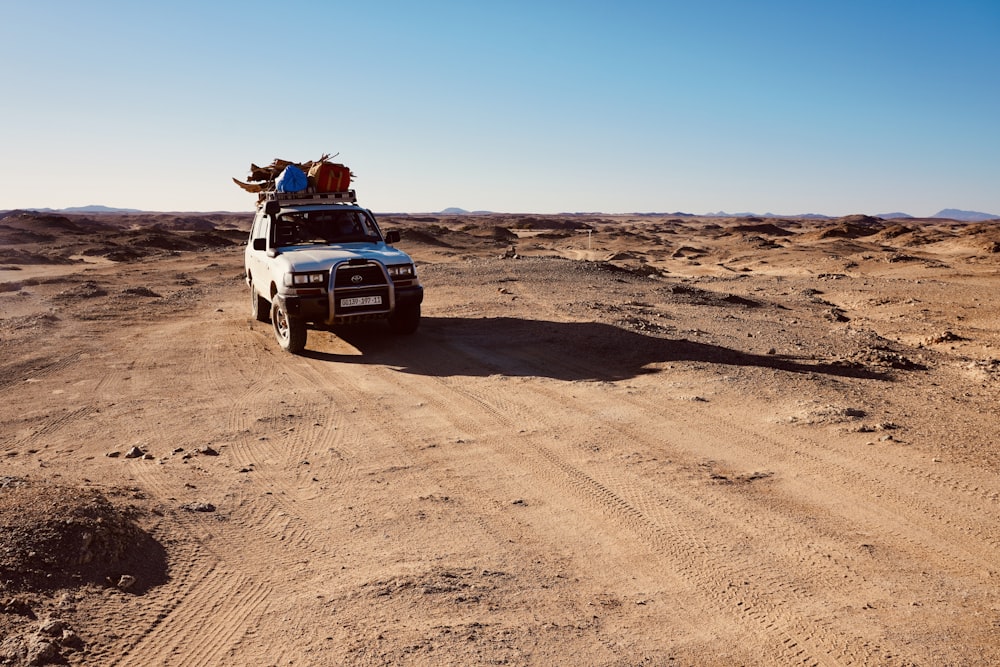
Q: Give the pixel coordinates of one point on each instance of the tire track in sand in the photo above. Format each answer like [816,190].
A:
[271,439]
[889,503]
[198,624]
[203,614]
[679,541]
[889,483]
[931,528]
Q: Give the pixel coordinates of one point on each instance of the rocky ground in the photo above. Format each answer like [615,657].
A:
[615,440]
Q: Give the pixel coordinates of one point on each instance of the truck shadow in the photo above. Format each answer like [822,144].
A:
[572,351]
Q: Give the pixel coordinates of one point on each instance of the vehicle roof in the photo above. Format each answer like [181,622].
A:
[322,207]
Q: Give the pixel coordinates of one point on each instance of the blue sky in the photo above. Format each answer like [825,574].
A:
[787,107]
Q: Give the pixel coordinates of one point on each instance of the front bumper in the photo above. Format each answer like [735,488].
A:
[411,295]
[315,309]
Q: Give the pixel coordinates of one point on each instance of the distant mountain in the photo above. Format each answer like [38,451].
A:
[807,216]
[723,214]
[453,211]
[676,214]
[964,216]
[97,208]
[92,208]
[893,216]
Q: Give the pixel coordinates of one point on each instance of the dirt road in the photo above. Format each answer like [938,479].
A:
[570,463]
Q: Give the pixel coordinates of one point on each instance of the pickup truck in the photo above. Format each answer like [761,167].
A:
[319,260]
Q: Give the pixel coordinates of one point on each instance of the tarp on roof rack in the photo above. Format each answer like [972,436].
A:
[292,179]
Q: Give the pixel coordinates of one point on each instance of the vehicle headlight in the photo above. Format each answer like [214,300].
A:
[317,278]
[401,271]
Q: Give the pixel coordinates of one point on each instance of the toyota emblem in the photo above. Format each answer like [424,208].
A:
[356,278]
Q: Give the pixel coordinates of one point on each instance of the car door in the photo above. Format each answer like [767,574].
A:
[256,259]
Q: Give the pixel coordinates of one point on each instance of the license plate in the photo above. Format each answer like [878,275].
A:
[361,301]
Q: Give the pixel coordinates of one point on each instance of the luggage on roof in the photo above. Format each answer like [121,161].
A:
[329,177]
[319,175]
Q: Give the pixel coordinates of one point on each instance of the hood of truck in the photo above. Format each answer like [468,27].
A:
[319,258]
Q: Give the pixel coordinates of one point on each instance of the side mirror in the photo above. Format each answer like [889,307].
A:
[392,237]
[272,207]
[260,244]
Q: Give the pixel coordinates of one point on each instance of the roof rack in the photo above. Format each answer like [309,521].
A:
[308,196]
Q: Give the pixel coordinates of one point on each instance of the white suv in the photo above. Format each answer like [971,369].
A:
[314,261]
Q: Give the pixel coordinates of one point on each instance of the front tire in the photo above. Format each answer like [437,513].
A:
[290,331]
[260,309]
[405,320]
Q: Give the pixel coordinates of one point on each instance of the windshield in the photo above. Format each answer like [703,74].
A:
[326,226]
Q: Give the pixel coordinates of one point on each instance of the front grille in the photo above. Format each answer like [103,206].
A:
[359,281]
[347,275]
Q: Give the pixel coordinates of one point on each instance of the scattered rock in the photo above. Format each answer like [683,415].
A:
[140,291]
[943,337]
[882,357]
[828,414]
[836,315]
[43,652]
[85,290]
[134,452]
[52,627]
[198,507]
[71,640]
[15,605]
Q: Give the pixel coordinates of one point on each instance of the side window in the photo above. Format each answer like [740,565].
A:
[259,227]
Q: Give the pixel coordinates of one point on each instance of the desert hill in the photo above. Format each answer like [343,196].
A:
[633,439]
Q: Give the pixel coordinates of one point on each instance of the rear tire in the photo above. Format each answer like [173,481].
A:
[290,331]
[405,320]
[260,308]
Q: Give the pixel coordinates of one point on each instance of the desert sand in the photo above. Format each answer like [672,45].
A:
[614,440]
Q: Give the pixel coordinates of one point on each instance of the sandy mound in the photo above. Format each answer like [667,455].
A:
[58,538]
[852,227]
[54,536]
[763,228]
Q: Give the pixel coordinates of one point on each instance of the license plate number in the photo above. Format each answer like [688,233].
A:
[361,301]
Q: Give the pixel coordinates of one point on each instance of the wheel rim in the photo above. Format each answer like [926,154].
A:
[281,323]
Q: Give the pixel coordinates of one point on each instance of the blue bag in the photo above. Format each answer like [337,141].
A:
[292,179]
